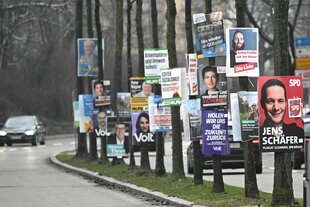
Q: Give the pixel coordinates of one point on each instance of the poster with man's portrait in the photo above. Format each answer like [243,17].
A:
[242,52]
[88,56]
[213,86]
[280,101]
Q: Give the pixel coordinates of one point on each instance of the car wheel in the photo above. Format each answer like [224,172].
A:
[259,169]
[34,141]
[190,169]
[9,143]
[1,144]
[42,142]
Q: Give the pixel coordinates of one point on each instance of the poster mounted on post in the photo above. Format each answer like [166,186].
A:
[101,92]
[209,33]
[123,104]
[281,126]
[215,132]
[88,57]
[194,118]
[117,139]
[191,69]
[242,52]
[248,114]
[213,86]
[86,110]
[140,90]
[173,86]
[154,60]
[100,122]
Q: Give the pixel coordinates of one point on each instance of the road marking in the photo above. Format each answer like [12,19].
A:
[72,143]
[13,149]
[26,148]
[57,144]
[2,150]
[41,146]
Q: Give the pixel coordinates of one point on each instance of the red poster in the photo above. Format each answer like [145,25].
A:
[280,113]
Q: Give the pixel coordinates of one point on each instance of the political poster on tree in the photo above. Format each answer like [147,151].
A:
[242,52]
[281,126]
[154,60]
[215,132]
[191,69]
[209,33]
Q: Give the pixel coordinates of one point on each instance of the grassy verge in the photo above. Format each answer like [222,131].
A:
[185,189]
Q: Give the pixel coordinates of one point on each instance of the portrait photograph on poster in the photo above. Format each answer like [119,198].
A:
[281,126]
[213,86]
[242,52]
[209,33]
[101,92]
[88,56]
[117,140]
[100,118]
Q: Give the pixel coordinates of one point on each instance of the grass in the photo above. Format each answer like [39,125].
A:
[185,188]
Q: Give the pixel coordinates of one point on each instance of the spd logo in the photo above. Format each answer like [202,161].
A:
[294,106]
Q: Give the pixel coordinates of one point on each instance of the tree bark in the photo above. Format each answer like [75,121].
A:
[129,62]
[82,143]
[188,26]
[103,151]
[177,156]
[283,193]
[154,24]
[250,182]
[198,163]
[218,183]
[140,38]
[145,161]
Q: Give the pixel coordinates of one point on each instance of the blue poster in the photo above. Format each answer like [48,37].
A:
[88,105]
[215,132]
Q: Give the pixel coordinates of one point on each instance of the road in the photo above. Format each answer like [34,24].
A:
[27,179]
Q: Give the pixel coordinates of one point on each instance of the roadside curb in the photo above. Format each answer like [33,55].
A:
[124,187]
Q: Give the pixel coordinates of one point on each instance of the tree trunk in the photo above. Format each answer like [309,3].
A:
[82,143]
[198,163]
[154,24]
[132,162]
[188,26]
[283,193]
[250,182]
[177,156]
[129,62]
[93,155]
[103,151]
[140,38]
[218,183]
[145,161]
[118,49]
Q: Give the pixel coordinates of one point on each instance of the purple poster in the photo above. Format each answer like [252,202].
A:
[215,132]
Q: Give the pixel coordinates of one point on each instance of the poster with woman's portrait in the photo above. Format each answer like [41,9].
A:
[101,92]
[213,86]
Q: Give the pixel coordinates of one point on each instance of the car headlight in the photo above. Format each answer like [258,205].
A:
[3,133]
[30,132]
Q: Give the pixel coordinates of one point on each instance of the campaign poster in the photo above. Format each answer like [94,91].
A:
[101,92]
[100,119]
[242,52]
[76,114]
[154,60]
[86,110]
[215,132]
[209,33]
[123,104]
[141,128]
[117,139]
[248,111]
[213,86]
[139,91]
[235,117]
[191,69]
[281,126]
[173,86]
[194,118]
[160,116]
[88,57]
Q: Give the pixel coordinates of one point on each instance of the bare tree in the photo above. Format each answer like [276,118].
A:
[283,193]
[177,156]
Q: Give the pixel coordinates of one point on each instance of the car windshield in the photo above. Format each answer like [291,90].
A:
[20,122]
